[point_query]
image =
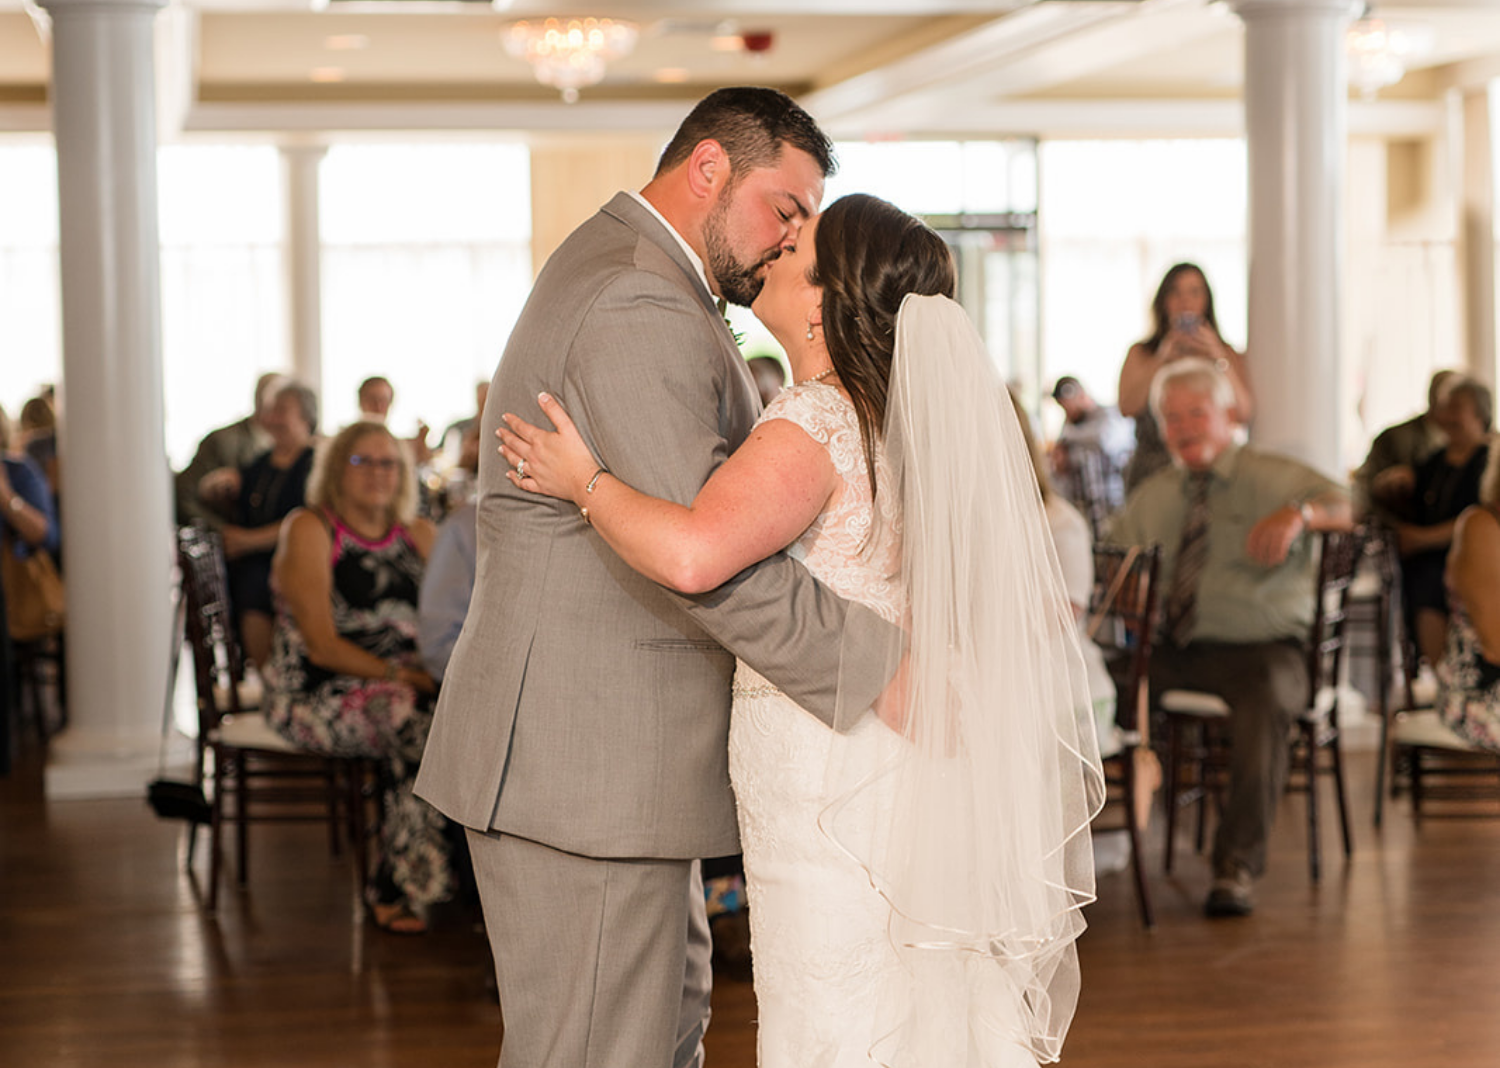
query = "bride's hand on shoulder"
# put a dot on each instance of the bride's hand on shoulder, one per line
(556, 463)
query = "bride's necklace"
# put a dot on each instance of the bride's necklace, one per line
(817, 377)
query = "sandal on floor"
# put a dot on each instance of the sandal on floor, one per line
(397, 917)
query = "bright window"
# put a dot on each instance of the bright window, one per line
(1106, 242)
(30, 308)
(224, 318)
(983, 196)
(426, 265)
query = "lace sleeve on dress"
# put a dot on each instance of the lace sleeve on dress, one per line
(816, 408)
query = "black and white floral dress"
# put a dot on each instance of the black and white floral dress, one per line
(375, 586)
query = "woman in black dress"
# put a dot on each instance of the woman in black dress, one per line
(270, 487)
(1446, 483)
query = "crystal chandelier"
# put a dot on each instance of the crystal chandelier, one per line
(569, 53)
(1378, 53)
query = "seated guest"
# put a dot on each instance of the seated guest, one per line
(448, 583)
(1074, 543)
(1469, 676)
(28, 521)
(270, 486)
(1444, 485)
(1383, 483)
(1075, 553)
(229, 447)
(1091, 452)
(1241, 574)
(376, 395)
(345, 678)
(28, 513)
(38, 438)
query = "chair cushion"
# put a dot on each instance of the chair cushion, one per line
(1426, 729)
(1193, 703)
(1424, 690)
(251, 690)
(249, 730)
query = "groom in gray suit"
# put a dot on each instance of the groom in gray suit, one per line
(581, 735)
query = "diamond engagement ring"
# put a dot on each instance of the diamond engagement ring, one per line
(520, 468)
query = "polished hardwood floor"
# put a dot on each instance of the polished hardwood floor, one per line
(107, 958)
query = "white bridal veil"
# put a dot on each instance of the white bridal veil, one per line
(984, 851)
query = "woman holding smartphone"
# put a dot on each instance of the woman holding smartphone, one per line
(1183, 324)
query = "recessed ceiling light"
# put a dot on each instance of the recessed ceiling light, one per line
(346, 42)
(671, 75)
(326, 74)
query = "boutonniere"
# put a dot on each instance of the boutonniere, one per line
(739, 337)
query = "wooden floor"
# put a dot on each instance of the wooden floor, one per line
(106, 957)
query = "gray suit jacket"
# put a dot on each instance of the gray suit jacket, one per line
(586, 707)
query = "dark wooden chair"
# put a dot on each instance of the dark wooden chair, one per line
(1438, 767)
(1197, 722)
(1375, 630)
(257, 776)
(42, 675)
(1122, 612)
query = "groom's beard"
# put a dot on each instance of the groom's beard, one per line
(739, 283)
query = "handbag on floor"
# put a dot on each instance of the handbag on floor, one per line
(173, 799)
(34, 601)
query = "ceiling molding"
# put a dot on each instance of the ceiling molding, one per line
(499, 117)
(1151, 119)
(1072, 119)
(963, 56)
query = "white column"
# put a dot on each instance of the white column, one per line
(304, 261)
(1477, 237)
(117, 521)
(1296, 102)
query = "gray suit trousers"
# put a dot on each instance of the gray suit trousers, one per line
(564, 930)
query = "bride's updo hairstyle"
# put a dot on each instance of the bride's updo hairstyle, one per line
(870, 255)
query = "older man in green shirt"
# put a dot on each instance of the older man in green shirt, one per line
(1240, 574)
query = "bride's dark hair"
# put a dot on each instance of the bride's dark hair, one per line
(870, 255)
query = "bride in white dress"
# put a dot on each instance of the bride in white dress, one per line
(916, 877)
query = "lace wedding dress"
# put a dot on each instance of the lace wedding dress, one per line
(820, 931)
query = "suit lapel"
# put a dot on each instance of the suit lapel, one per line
(742, 405)
(630, 212)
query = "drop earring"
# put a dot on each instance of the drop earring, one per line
(809, 327)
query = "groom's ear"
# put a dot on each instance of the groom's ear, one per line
(707, 169)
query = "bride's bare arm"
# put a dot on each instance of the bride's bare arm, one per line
(766, 494)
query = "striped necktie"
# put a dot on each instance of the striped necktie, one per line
(1192, 555)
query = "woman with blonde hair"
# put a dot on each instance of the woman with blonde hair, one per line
(346, 678)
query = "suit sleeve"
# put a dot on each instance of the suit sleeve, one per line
(208, 457)
(649, 394)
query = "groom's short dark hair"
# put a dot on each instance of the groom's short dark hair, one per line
(752, 125)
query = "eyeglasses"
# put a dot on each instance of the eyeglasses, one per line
(384, 465)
